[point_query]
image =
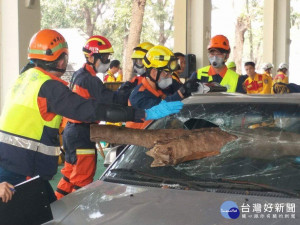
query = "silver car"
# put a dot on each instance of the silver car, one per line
(254, 180)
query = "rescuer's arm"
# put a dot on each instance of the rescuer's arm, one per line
(104, 95)
(60, 100)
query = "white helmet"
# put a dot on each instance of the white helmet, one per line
(283, 66)
(267, 66)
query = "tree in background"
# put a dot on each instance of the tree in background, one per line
(138, 8)
(254, 35)
(248, 34)
(112, 19)
(92, 10)
(81, 14)
(241, 26)
(162, 14)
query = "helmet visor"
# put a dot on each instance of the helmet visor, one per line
(104, 57)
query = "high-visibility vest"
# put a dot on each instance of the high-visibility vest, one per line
(229, 81)
(25, 132)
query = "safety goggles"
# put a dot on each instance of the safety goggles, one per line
(215, 52)
(164, 73)
(104, 57)
(172, 62)
(138, 62)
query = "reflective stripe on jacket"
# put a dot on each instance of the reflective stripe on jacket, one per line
(28, 135)
(230, 79)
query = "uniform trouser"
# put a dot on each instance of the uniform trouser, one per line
(80, 159)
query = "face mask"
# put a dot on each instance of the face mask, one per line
(216, 61)
(138, 70)
(102, 68)
(164, 82)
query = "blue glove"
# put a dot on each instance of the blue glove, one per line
(163, 109)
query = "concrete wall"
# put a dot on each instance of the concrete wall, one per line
(19, 19)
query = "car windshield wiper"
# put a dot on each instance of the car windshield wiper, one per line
(162, 180)
(203, 185)
(263, 186)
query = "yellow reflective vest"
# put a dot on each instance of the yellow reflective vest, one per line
(28, 143)
(230, 79)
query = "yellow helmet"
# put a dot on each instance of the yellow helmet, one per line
(230, 65)
(140, 51)
(160, 57)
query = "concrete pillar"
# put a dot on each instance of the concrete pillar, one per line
(192, 19)
(19, 21)
(198, 29)
(180, 24)
(276, 36)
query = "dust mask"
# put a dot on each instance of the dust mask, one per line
(103, 67)
(216, 61)
(164, 82)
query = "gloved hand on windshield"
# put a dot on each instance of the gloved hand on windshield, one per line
(188, 87)
(163, 109)
(210, 87)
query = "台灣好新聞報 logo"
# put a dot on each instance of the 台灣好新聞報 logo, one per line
(229, 210)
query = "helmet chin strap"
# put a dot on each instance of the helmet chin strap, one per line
(58, 70)
(157, 78)
(93, 64)
(50, 68)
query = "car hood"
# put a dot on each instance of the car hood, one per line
(115, 204)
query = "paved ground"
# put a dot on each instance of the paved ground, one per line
(99, 171)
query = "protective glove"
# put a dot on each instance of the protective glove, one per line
(210, 87)
(216, 87)
(188, 87)
(202, 89)
(127, 87)
(163, 109)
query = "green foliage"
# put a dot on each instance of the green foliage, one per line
(116, 26)
(61, 14)
(114, 20)
(156, 12)
(295, 17)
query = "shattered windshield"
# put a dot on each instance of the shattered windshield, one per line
(266, 150)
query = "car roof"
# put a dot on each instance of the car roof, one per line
(224, 97)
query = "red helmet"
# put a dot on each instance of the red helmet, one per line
(47, 45)
(97, 45)
(219, 41)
